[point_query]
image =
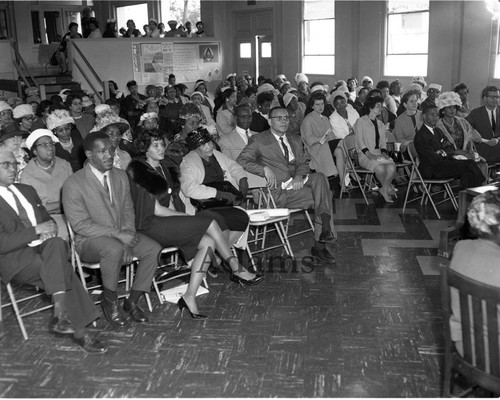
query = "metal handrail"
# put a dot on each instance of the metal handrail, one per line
(82, 71)
(89, 67)
(20, 62)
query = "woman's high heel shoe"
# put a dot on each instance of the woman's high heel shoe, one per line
(249, 282)
(182, 305)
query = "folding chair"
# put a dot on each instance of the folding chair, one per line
(16, 304)
(352, 167)
(479, 362)
(78, 264)
(404, 164)
(426, 185)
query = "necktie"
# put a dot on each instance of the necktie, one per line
(285, 149)
(493, 122)
(23, 215)
(106, 187)
(248, 135)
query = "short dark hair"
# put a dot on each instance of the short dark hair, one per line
(240, 107)
(42, 106)
(91, 138)
(112, 102)
(131, 83)
(272, 110)
(393, 86)
(488, 89)
(371, 102)
(316, 96)
(460, 86)
(144, 140)
(250, 90)
(428, 107)
(263, 97)
(382, 85)
(70, 98)
(407, 96)
(71, 25)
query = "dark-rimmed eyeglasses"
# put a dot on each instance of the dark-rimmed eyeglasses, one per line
(46, 145)
(282, 117)
(8, 164)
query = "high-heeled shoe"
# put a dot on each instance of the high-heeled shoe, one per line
(249, 282)
(182, 305)
(386, 196)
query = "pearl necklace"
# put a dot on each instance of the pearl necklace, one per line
(45, 168)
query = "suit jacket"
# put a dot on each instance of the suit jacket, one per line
(480, 119)
(264, 150)
(14, 236)
(77, 156)
(427, 145)
(89, 210)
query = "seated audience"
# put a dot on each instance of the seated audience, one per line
(395, 91)
(371, 147)
(343, 118)
(172, 105)
(110, 31)
(132, 104)
(5, 113)
(131, 30)
(477, 259)
(33, 255)
(281, 159)
(42, 112)
(296, 111)
(47, 173)
(260, 118)
(200, 30)
(436, 154)
(250, 98)
(206, 118)
(189, 120)
(225, 114)
(84, 122)
(485, 120)
(11, 139)
(160, 214)
(302, 82)
(463, 92)
(24, 115)
(409, 122)
(98, 205)
(62, 51)
(95, 32)
(208, 100)
(432, 94)
(458, 132)
(70, 145)
(361, 93)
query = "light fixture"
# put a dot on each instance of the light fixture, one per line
(493, 7)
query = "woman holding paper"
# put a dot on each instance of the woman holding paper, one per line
(316, 132)
(371, 147)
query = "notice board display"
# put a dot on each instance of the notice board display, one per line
(154, 62)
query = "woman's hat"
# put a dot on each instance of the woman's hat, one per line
(37, 134)
(22, 110)
(419, 80)
(64, 93)
(200, 82)
(86, 102)
(147, 116)
(107, 118)
(266, 87)
(4, 106)
(447, 99)
(9, 131)
(287, 98)
(199, 93)
(59, 118)
(301, 77)
(197, 138)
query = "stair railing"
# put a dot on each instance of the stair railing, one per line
(85, 69)
(22, 68)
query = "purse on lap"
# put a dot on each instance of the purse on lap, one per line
(223, 186)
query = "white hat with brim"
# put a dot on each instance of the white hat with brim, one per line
(59, 118)
(266, 87)
(197, 93)
(435, 86)
(338, 93)
(37, 134)
(147, 117)
(317, 88)
(287, 98)
(22, 110)
(4, 106)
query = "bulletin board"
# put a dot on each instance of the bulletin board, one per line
(188, 61)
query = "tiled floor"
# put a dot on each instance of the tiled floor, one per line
(369, 326)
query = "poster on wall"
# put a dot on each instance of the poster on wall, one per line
(152, 63)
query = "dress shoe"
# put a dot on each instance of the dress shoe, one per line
(248, 282)
(112, 312)
(326, 237)
(323, 255)
(182, 305)
(89, 344)
(135, 312)
(61, 326)
(213, 271)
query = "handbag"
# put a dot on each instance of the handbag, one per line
(53, 60)
(223, 186)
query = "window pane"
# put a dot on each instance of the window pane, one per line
(408, 33)
(3, 25)
(497, 67)
(266, 50)
(245, 50)
(319, 65)
(395, 6)
(319, 9)
(406, 65)
(319, 37)
(137, 12)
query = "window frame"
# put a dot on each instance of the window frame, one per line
(386, 42)
(303, 42)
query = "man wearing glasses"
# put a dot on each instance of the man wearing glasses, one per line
(33, 254)
(282, 161)
(486, 120)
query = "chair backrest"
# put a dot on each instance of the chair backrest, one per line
(389, 137)
(479, 317)
(350, 142)
(412, 152)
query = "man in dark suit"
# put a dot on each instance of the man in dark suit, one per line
(98, 205)
(486, 120)
(31, 253)
(281, 159)
(435, 154)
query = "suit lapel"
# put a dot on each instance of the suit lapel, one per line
(276, 146)
(101, 192)
(8, 209)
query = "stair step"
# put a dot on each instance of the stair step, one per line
(47, 80)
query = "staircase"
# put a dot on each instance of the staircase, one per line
(54, 83)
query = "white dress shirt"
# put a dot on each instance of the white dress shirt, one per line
(100, 176)
(291, 156)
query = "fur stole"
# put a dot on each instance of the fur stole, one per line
(154, 183)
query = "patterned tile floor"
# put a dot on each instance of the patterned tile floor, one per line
(369, 326)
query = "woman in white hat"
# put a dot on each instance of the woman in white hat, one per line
(206, 118)
(47, 173)
(208, 100)
(24, 116)
(70, 146)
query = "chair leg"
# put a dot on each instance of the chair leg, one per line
(284, 238)
(148, 301)
(16, 311)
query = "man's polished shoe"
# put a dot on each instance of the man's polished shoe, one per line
(323, 254)
(135, 312)
(61, 326)
(89, 344)
(112, 311)
(327, 237)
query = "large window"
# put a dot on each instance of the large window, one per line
(181, 11)
(136, 12)
(407, 38)
(318, 56)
